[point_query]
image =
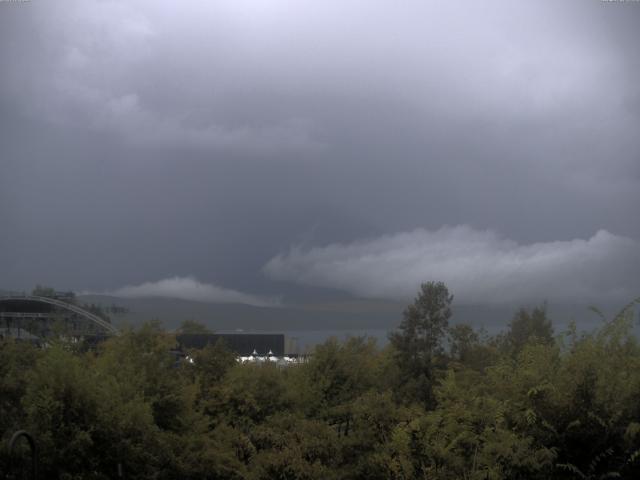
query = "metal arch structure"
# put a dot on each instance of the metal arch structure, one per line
(67, 306)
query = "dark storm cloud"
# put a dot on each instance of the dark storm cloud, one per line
(147, 140)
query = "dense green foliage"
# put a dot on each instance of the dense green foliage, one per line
(192, 326)
(523, 404)
(418, 343)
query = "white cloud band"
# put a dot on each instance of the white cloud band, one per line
(478, 266)
(188, 288)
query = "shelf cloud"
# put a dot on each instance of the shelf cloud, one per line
(479, 266)
(207, 137)
(189, 288)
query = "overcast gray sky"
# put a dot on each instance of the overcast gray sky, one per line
(257, 150)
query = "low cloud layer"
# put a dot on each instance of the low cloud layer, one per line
(188, 288)
(478, 266)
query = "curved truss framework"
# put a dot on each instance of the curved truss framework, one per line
(67, 306)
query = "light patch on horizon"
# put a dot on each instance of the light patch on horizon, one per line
(189, 288)
(479, 266)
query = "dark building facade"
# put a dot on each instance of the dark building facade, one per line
(243, 344)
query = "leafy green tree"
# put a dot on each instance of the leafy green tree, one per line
(528, 326)
(522, 406)
(61, 404)
(294, 447)
(369, 447)
(87, 420)
(597, 427)
(193, 326)
(339, 372)
(16, 360)
(462, 340)
(418, 343)
(209, 454)
(211, 365)
(471, 348)
(248, 395)
(213, 362)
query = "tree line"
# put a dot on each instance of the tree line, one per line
(440, 401)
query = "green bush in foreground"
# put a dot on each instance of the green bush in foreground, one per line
(521, 405)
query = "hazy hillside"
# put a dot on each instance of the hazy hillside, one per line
(354, 315)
